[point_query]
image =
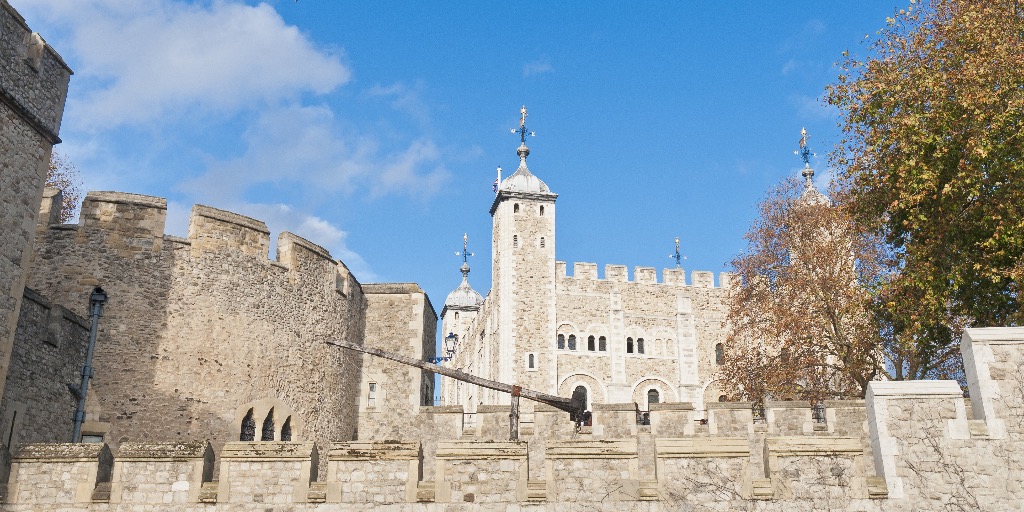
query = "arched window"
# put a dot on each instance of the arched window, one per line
(531, 361)
(572, 342)
(639, 345)
(561, 342)
(719, 354)
(582, 390)
(541, 210)
(286, 430)
(515, 208)
(629, 345)
(456, 315)
(653, 397)
(542, 242)
(602, 344)
(248, 428)
(268, 427)
(590, 343)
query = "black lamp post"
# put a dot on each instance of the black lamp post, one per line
(448, 349)
(96, 301)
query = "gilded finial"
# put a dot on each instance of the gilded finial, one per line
(805, 154)
(465, 254)
(677, 255)
(523, 151)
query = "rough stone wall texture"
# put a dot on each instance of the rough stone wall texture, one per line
(196, 330)
(33, 86)
(399, 319)
(49, 351)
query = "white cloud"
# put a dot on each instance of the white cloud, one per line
(136, 61)
(308, 147)
(404, 98)
(537, 67)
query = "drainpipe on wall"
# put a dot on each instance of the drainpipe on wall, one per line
(96, 301)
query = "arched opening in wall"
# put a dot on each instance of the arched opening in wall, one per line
(268, 427)
(531, 362)
(719, 354)
(515, 240)
(542, 242)
(629, 345)
(602, 344)
(639, 345)
(248, 432)
(590, 343)
(586, 396)
(286, 429)
(515, 208)
(653, 397)
(572, 342)
(456, 315)
(561, 342)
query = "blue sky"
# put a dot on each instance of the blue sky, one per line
(374, 128)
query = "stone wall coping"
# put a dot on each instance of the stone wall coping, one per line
(787, 404)
(729, 405)
(60, 452)
(488, 408)
(201, 210)
(915, 388)
(790, 446)
(374, 450)
(481, 450)
(287, 236)
(672, 406)
(685, 447)
(177, 240)
(21, 21)
(183, 451)
(260, 450)
(996, 335)
(107, 196)
(442, 409)
(846, 404)
(629, 406)
(599, 449)
(377, 288)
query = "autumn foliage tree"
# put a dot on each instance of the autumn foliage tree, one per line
(62, 174)
(800, 324)
(932, 160)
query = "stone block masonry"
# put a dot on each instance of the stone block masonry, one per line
(33, 87)
(924, 453)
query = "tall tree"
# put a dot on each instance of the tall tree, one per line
(800, 324)
(62, 174)
(931, 159)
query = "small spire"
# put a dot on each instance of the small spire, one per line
(522, 150)
(805, 154)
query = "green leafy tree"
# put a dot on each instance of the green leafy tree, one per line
(63, 175)
(932, 159)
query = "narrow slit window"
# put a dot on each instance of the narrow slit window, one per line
(590, 343)
(639, 345)
(542, 242)
(541, 210)
(572, 342)
(561, 342)
(248, 432)
(629, 345)
(515, 208)
(371, 397)
(268, 427)
(515, 240)
(719, 354)
(602, 344)
(286, 430)
(531, 361)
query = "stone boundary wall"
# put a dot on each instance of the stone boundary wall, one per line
(926, 453)
(645, 275)
(200, 330)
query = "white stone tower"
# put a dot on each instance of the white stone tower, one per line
(523, 281)
(461, 306)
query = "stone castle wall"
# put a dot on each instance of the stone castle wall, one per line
(198, 331)
(49, 351)
(910, 446)
(33, 86)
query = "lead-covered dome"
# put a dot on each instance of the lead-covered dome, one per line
(464, 296)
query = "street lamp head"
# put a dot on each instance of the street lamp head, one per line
(98, 296)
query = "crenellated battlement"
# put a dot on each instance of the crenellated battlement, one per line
(128, 223)
(644, 275)
(33, 77)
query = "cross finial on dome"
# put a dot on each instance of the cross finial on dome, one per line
(677, 255)
(465, 255)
